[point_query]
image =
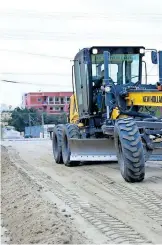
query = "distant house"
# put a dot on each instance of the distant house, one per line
(50, 102)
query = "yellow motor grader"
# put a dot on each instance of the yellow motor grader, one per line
(109, 116)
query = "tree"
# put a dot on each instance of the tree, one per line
(1, 131)
(21, 118)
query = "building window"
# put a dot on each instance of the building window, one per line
(62, 100)
(39, 99)
(45, 100)
(50, 100)
(40, 109)
(57, 108)
(62, 108)
(57, 100)
(68, 99)
(51, 108)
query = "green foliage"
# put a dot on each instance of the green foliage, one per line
(21, 118)
(1, 131)
(154, 111)
(159, 112)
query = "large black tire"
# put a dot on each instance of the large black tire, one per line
(57, 143)
(69, 131)
(130, 150)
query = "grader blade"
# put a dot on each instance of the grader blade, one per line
(92, 150)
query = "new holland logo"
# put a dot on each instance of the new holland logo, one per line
(154, 99)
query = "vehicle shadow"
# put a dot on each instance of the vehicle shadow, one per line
(110, 164)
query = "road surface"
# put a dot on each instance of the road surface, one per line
(87, 204)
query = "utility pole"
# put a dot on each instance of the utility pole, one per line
(43, 123)
(30, 123)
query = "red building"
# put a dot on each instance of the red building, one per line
(50, 102)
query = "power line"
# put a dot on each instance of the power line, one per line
(64, 34)
(65, 15)
(33, 74)
(37, 54)
(98, 34)
(45, 84)
(47, 74)
(35, 84)
(70, 38)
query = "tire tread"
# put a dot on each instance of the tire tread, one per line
(127, 132)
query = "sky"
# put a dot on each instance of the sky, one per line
(39, 38)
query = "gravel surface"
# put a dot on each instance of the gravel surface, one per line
(28, 217)
(45, 202)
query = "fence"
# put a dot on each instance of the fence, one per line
(33, 131)
(38, 131)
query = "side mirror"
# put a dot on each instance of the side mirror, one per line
(154, 57)
(160, 66)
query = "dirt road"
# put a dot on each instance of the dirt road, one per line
(87, 204)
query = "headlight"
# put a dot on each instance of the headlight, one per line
(94, 51)
(107, 89)
(142, 51)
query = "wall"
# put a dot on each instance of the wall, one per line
(34, 131)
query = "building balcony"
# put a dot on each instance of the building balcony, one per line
(57, 103)
(45, 102)
(50, 102)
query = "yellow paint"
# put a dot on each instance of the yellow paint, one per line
(145, 98)
(74, 116)
(73, 109)
(115, 113)
(123, 116)
(134, 98)
(80, 125)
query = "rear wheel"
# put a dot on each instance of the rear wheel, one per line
(57, 143)
(130, 150)
(69, 131)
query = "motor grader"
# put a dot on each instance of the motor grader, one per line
(109, 116)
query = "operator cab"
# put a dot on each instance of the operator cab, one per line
(125, 64)
(124, 67)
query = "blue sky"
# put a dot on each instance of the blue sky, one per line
(61, 28)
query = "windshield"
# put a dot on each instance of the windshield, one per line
(123, 68)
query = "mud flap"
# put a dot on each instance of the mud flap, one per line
(92, 150)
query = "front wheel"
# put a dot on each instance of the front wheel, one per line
(130, 150)
(69, 131)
